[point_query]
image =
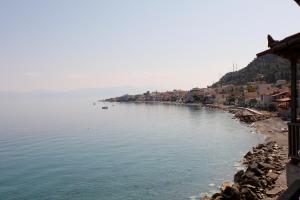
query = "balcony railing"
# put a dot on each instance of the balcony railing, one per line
(294, 140)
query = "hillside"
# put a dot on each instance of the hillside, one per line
(269, 68)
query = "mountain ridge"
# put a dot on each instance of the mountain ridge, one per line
(269, 68)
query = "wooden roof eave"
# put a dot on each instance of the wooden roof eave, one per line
(288, 48)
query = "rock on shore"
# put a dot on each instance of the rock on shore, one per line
(264, 164)
(248, 115)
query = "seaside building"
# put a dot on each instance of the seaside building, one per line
(221, 98)
(229, 94)
(283, 107)
(264, 88)
(195, 95)
(250, 98)
(209, 91)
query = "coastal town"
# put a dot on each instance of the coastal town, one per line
(257, 94)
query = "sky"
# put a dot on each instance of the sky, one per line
(166, 44)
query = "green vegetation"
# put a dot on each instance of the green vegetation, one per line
(269, 68)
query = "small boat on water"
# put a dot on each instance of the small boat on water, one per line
(104, 107)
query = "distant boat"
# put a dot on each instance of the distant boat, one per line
(104, 107)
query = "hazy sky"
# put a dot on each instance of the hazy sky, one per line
(62, 45)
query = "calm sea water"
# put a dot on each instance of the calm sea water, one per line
(59, 148)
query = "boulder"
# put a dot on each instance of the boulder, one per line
(238, 177)
(266, 165)
(216, 196)
(274, 192)
(247, 193)
(254, 168)
(231, 193)
(248, 154)
(272, 175)
(254, 180)
(206, 197)
(226, 184)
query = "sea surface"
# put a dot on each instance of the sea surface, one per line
(68, 148)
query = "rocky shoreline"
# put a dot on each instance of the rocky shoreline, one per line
(265, 164)
(264, 174)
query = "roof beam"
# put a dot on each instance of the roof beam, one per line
(288, 48)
